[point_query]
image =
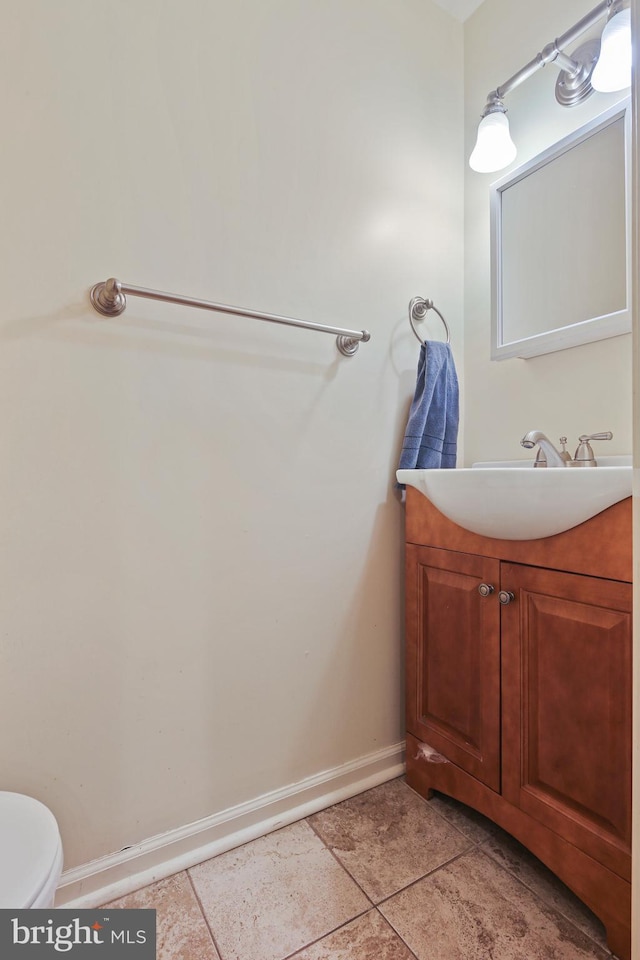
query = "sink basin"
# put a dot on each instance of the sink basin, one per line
(509, 500)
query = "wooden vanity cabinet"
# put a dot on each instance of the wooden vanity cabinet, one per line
(454, 670)
(523, 709)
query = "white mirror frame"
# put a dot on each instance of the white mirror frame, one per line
(590, 329)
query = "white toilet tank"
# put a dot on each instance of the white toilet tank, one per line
(30, 853)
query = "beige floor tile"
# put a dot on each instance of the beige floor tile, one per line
(388, 837)
(368, 938)
(514, 857)
(276, 895)
(472, 909)
(182, 932)
(468, 821)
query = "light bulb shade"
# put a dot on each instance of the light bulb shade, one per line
(613, 69)
(494, 147)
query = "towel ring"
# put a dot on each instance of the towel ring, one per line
(418, 310)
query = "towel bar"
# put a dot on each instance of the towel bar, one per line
(109, 299)
(418, 310)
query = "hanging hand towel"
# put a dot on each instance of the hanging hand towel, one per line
(432, 429)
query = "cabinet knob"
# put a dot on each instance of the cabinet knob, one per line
(485, 589)
(506, 596)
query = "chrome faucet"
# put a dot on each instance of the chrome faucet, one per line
(550, 456)
(553, 456)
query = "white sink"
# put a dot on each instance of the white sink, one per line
(509, 500)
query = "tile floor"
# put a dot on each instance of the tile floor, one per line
(382, 876)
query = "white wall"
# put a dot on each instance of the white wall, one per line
(580, 390)
(200, 545)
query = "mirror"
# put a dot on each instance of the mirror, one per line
(554, 285)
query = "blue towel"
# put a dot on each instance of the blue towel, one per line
(432, 429)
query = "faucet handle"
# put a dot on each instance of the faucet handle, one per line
(584, 454)
(607, 435)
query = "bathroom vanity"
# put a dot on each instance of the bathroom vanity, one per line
(519, 690)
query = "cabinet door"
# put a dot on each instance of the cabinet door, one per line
(453, 658)
(566, 699)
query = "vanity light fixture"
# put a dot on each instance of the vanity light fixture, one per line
(494, 147)
(613, 69)
(603, 65)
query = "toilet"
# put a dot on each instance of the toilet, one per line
(30, 853)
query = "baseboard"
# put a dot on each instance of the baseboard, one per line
(108, 878)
